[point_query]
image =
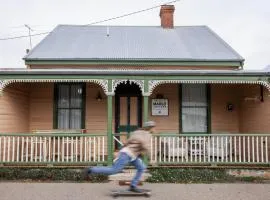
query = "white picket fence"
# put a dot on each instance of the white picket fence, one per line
(53, 148)
(218, 148)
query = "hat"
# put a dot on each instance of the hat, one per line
(149, 124)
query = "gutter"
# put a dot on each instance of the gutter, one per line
(136, 72)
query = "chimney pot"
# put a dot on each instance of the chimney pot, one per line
(166, 16)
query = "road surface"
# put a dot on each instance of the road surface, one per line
(94, 191)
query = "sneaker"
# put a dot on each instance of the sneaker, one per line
(135, 189)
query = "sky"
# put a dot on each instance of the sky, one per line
(243, 24)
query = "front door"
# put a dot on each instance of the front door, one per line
(128, 111)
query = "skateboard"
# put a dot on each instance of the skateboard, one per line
(116, 193)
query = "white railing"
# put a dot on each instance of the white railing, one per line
(212, 148)
(165, 149)
(50, 148)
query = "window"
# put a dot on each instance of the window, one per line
(69, 106)
(194, 108)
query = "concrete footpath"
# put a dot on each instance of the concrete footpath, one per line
(91, 191)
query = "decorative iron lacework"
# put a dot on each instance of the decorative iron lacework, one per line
(154, 83)
(117, 82)
(102, 82)
(140, 83)
(1, 83)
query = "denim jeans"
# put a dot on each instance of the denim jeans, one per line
(119, 164)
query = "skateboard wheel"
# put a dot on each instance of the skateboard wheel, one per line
(114, 195)
(147, 195)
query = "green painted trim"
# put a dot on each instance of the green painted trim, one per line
(145, 119)
(151, 164)
(156, 135)
(209, 162)
(83, 105)
(110, 85)
(134, 77)
(209, 106)
(52, 135)
(55, 105)
(134, 62)
(209, 135)
(145, 108)
(51, 162)
(123, 128)
(109, 129)
(180, 107)
(146, 86)
(208, 117)
(55, 95)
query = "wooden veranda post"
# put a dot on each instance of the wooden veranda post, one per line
(109, 125)
(146, 109)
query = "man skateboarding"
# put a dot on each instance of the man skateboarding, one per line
(138, 144)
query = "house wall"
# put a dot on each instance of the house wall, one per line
(168, 123)
(14, 107)
(27, 107)
(41, 106)
(96, 111)
(254, 115)
(130, 67)
(224, 121)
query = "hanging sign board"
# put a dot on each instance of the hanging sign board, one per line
(160, 107)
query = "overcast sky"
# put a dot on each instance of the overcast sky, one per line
(243, 24)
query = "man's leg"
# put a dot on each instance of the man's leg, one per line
(140, 166)
(118, 165)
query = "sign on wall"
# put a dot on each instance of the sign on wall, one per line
(160, 107)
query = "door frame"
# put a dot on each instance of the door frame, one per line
(117, 126)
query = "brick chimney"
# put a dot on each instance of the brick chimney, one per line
(166, 16)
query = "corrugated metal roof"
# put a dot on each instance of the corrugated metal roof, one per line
(267, 68)
(183, 43)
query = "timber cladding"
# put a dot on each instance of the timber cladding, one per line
(249, 114)
(14, 106)
(255, 114)
(223, 120)
(41, 106)
(96, 110)
(26, 107)
(168, 123)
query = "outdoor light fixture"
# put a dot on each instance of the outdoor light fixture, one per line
(257, 98)
(159, 96)
(99, 97)
(230, 107)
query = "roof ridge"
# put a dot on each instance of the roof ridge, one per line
(81, 25)
(224, 43)
(40, 43)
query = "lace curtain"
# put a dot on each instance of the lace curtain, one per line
(194, 108)
(69, 106)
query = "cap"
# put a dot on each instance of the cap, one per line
(149, 124)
